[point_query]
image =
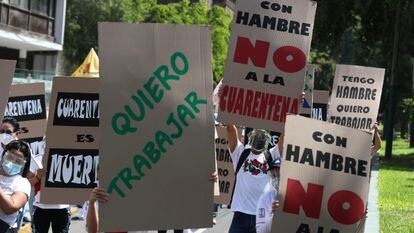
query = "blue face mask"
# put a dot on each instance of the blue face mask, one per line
(11, 168)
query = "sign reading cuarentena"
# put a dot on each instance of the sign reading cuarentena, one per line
(356, 96)
(77, 109)
(72, 148)
(25, 108)
(27, 105)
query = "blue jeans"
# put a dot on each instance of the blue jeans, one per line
(243, 223)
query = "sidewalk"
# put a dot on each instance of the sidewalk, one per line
(372, 222)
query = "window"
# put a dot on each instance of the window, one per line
(39, 6)
(24, 4)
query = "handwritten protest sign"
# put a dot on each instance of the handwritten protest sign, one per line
(324, 178)
(27, 105)
(224, 166)
(72, 141)
(6, 77)
(306, 108)
(266, 62)
(320, 105)
(157, 126)
(356, 96)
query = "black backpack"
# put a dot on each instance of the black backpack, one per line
(242, 159)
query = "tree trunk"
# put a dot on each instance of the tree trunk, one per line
(412, 134)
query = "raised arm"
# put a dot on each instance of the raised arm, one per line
(232, 137)
(92, 219)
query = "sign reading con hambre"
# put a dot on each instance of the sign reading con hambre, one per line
(356, 96)
(27, 104)
(266, 62)
(156, 125)
(72, 155)
(224, 167)
(324, 179)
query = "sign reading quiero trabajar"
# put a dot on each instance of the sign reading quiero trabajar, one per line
(72, 141)
(157, 147)
(266, 62)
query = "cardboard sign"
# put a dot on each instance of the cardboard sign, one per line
(224, 167)
(324, 178)
(320, 105)
(72, 141)
(266, 62)
(6, 77)
(306, 107)
(27, 105)
(157, 126)
(356, 96)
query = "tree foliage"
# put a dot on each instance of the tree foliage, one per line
(83, 16)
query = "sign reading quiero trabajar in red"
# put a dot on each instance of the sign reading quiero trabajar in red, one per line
(266, 62)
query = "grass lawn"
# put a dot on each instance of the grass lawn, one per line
(396, 189)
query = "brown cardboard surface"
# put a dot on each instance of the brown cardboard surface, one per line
(225, 167)
(260, 89)
(168, 186)
(336, 190)
(27, 104)
(6, 77)
(320, 105)
(357, 109)
(71, 141)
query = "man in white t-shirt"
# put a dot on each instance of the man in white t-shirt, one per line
(252, 180)
(267, 202)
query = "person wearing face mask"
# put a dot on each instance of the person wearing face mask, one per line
(268, 203)
(14, 187)
(251, 165)
(9, 130)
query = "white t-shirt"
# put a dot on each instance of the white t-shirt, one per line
(264, 212)
(252, 179)
(11, 184)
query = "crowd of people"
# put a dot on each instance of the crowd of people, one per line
(253, 202)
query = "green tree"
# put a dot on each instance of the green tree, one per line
(81, 28)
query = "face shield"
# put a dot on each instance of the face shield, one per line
(259, 140)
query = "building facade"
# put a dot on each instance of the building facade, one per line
(32, 32)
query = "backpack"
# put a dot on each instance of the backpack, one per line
(242, 159)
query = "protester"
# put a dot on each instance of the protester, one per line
(267, 202)
(14, 187)
(252, 181)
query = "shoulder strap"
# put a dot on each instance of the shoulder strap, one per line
(242, 158)
(268, 156)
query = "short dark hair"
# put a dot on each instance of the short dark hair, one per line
(14, 122)
(23, 147)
